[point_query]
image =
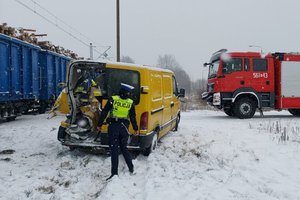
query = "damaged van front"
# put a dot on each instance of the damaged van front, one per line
(88, 88)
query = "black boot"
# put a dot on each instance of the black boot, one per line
(131, 170)
(111, 177)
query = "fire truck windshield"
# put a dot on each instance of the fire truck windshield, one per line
(213, 69)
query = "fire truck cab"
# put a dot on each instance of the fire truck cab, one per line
(241, 82)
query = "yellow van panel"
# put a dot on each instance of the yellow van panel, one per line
(157, 102)
(61, 104)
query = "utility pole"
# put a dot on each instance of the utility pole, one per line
(91, 51)
(118, 29)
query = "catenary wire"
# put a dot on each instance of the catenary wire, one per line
(58, 26)
(66, 24)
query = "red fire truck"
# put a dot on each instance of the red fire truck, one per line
(241, 82)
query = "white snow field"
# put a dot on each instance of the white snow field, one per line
(212, 156)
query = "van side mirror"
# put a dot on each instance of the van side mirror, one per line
(144, 89)
(181, 93)
(207, 64)
(225, 70)
(61, 85)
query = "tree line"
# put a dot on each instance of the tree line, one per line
(168, 61)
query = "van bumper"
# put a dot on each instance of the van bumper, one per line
(146, 140)
(140, 142)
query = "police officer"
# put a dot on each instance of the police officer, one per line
(119, 108)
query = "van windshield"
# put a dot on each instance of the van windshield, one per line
(113, 79)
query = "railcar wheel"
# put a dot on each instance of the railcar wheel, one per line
(9, 119)
(42, 109)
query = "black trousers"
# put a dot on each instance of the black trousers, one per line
(118, 136)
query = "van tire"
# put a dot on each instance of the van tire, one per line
(153, 145)
(244, 108)
(61, 134)
(177, 123)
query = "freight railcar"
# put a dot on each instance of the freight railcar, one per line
(29, 76)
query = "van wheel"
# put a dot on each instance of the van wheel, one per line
(177, 123)
(61, 134)
(295, 112)
(153, 145)
(244, 108)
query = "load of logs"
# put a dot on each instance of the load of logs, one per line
(29, 36)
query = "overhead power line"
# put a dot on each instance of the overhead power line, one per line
(66, 24)
(60, 27)
(51, 22)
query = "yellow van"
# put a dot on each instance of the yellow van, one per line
(155, 95)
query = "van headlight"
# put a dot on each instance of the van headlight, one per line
(217, 99)
(83, 122)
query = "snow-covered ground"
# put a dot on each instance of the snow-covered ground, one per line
(211, 157)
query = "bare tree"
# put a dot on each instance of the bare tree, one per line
(168, 61)
(127, 59)
(198, 86)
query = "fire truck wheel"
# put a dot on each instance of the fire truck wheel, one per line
(244, 108)
(295, 112)
(229, 112)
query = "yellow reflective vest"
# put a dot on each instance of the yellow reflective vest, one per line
(121, 107)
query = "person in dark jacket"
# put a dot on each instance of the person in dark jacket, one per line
(119, 107)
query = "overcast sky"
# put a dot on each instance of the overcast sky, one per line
(191, 30)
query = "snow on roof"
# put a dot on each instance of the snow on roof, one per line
(125, 64)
